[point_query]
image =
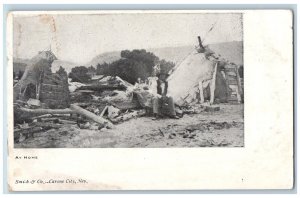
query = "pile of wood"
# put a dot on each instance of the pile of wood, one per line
(96, 107)
(74, 109)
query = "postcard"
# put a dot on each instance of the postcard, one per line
(150, 100)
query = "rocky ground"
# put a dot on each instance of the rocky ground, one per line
(223, 128)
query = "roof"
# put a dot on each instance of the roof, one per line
(188, 74)
(198, 67)
(46, 55)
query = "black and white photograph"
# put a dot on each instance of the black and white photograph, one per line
(99, 99)
(128, 80)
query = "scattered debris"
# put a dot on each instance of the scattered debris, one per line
(161, 132)
(98, 106)
(196, 131)
(34, 102)
(73, 86)
(211, 108)
(208, 126)
(114, 80)
(172, 135)
(188, 109)
(91, 116)
(103, 111)
(26, 131)
(112, 112)
(128, 115)
(85, 126)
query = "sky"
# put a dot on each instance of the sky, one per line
(79, 38)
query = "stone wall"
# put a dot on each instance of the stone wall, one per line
(54, 91)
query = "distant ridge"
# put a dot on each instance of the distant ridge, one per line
(231, 51)
(107, 57)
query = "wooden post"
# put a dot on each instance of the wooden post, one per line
(38, 86)
(213, 85)
(201, 92)
(200, 43)
(239, 91)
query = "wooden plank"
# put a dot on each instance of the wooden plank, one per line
(239, 92)
(103, 111)
(213, 85)
(201, 92)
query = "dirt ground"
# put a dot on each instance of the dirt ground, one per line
(224, 128)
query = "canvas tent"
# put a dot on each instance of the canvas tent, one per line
(205, 76)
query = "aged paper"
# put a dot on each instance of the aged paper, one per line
(209, 123)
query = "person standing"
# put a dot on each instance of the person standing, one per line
(163, 104)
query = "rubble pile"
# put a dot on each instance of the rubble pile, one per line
(46, 101)
(202, 133)
(90, 106)
(96, 106)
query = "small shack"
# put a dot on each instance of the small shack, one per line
(38, 82)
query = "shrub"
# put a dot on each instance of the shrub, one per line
(79, 74)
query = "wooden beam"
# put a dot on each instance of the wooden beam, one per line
(46, 111)
(213, 85)
(103, 111)
(200, 43)
(239, 92)
(91, 116)
(201, 92)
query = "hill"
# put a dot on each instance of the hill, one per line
(231, 51)
(173, 54)
(107, 57)
(20, 64)
(65, 64)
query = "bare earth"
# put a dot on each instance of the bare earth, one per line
(224, 128)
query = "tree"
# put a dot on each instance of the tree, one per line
(61, 71)
(133, 65)
(92, 69)
(63, 74)
(98, 69)
(125, 54)
(166, 66)
(79, 74)
(102, 69)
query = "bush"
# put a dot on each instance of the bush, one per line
(130, 70)
(133, 65)
(79, 74)
(102, 69)
(166, 66)
(61, 71)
